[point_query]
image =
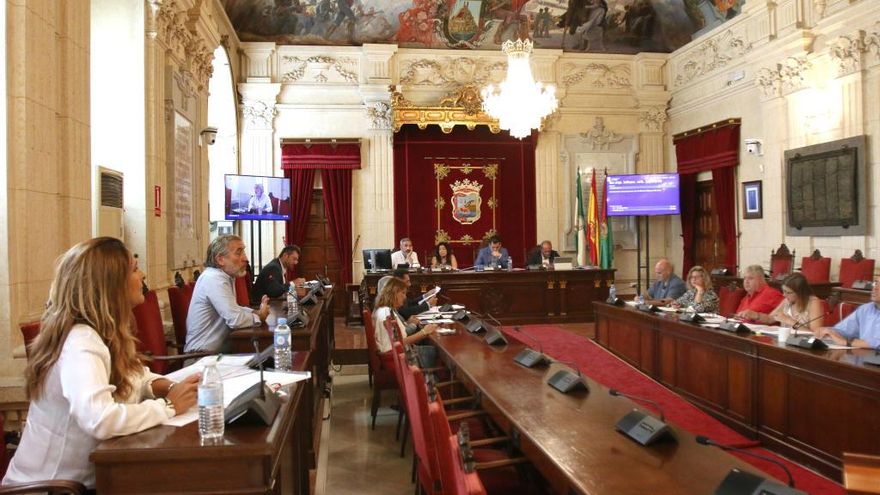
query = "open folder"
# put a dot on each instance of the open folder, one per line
(237, 378)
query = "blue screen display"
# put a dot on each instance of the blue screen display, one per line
(639, 195)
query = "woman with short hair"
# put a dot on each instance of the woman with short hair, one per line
(83, 377)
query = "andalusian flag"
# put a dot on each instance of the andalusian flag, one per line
(594, 223)
(606, 241)
(580, 223)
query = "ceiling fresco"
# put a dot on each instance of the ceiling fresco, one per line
(600, 26)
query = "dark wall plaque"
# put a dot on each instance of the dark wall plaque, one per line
(825, 189)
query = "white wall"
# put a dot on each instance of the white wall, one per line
(222, 114)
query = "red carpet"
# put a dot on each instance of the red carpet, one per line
(605, 368)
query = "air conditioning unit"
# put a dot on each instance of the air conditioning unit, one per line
(109, 215)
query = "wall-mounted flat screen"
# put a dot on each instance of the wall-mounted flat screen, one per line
(251, 197)
(643, 194)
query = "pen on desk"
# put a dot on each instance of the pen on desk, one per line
(219, 357)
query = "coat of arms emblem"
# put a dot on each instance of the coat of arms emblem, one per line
(466, 201)
(465, 24)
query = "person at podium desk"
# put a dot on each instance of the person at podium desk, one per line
(862, 327)
(84, 378)
(668, 287)
(493, 255)
(699, 295)
(799, 307)
(443, 257)
(760, 297)
(406, 255)
(259, 203)
(544, 256)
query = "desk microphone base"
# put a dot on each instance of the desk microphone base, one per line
(742, 483)
(530, 358)
(643, 428)
(807, 342)
(567, 381)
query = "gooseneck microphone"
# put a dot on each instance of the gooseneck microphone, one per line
(618, 393)
(528, 357)
(798, 324)
(520, 331)
(493, 335)
(703, 440)
(255, 342)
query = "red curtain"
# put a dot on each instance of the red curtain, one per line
(688, 200)
(724, 181)
(714, 148)
(416, 188)
(320, 156)
(302, 181)
(337, 207)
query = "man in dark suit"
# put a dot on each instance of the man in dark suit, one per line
(273, 280)
(411, 306)
(543, 256)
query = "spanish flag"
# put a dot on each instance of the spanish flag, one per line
(593, 220)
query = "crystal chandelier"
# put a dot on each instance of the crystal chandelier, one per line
(519, 103)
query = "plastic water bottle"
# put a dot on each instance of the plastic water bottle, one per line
(612, 293)
(211, 425)
(292, 303)
(283, 361)
(641, 298)
(509, 264)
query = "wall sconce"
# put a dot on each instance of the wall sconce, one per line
(209, 135)
(753, 147)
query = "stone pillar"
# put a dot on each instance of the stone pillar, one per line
(551, 210)
(258, 154)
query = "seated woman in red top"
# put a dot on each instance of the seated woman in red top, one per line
(760, 298)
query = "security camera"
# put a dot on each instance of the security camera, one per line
(753, 147)
(209, 135)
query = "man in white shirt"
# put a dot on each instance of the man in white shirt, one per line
(406, 255)
(259, 202)
(213, 311)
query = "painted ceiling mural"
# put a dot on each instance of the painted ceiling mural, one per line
(612, 26)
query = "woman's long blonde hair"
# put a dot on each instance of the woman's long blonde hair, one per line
(389, 292)
(90, 287)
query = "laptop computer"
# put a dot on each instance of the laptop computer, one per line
(563, 263)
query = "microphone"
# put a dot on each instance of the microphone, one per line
(565, 381)
(810, 341)
(737, 478)
(641, 427)
(618, 393)
(256, 343)
(529, 357)
(493, 335)
(798, 324)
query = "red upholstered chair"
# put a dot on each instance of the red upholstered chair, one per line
(179, 299)
(242, 292)
(284, 207)
(275, 203)
(29, 331)
(150, 332)
(781, 262)
(816, 269)
(854, 268)
(730, 297)
(383, 373)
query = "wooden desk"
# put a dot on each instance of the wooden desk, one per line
(571, 439)
(852, 296)
(517, 297)
(317, 339)
(252, 459)
(808, 405)
(821, 290)
(861, 474)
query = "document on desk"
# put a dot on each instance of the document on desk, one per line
(236, 379)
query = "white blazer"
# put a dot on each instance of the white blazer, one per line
(76, 410)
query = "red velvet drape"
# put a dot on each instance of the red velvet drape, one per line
(302, 181)
(717, 149)
(688, 200)
(337, 207)
(416, 188)
(724, 181)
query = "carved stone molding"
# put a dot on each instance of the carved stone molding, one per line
(380, 114)
(448, 71)
(819, 6)
(258, 114)
(872, 45)
(712, 54)
(596, 75)
(600, 137)
(786, 77)
(654, 118)
(320, 68)
(167, 23)
(846, 52)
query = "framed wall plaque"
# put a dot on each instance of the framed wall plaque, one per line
(753, 201)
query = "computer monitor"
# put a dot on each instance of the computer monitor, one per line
(377, 259)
